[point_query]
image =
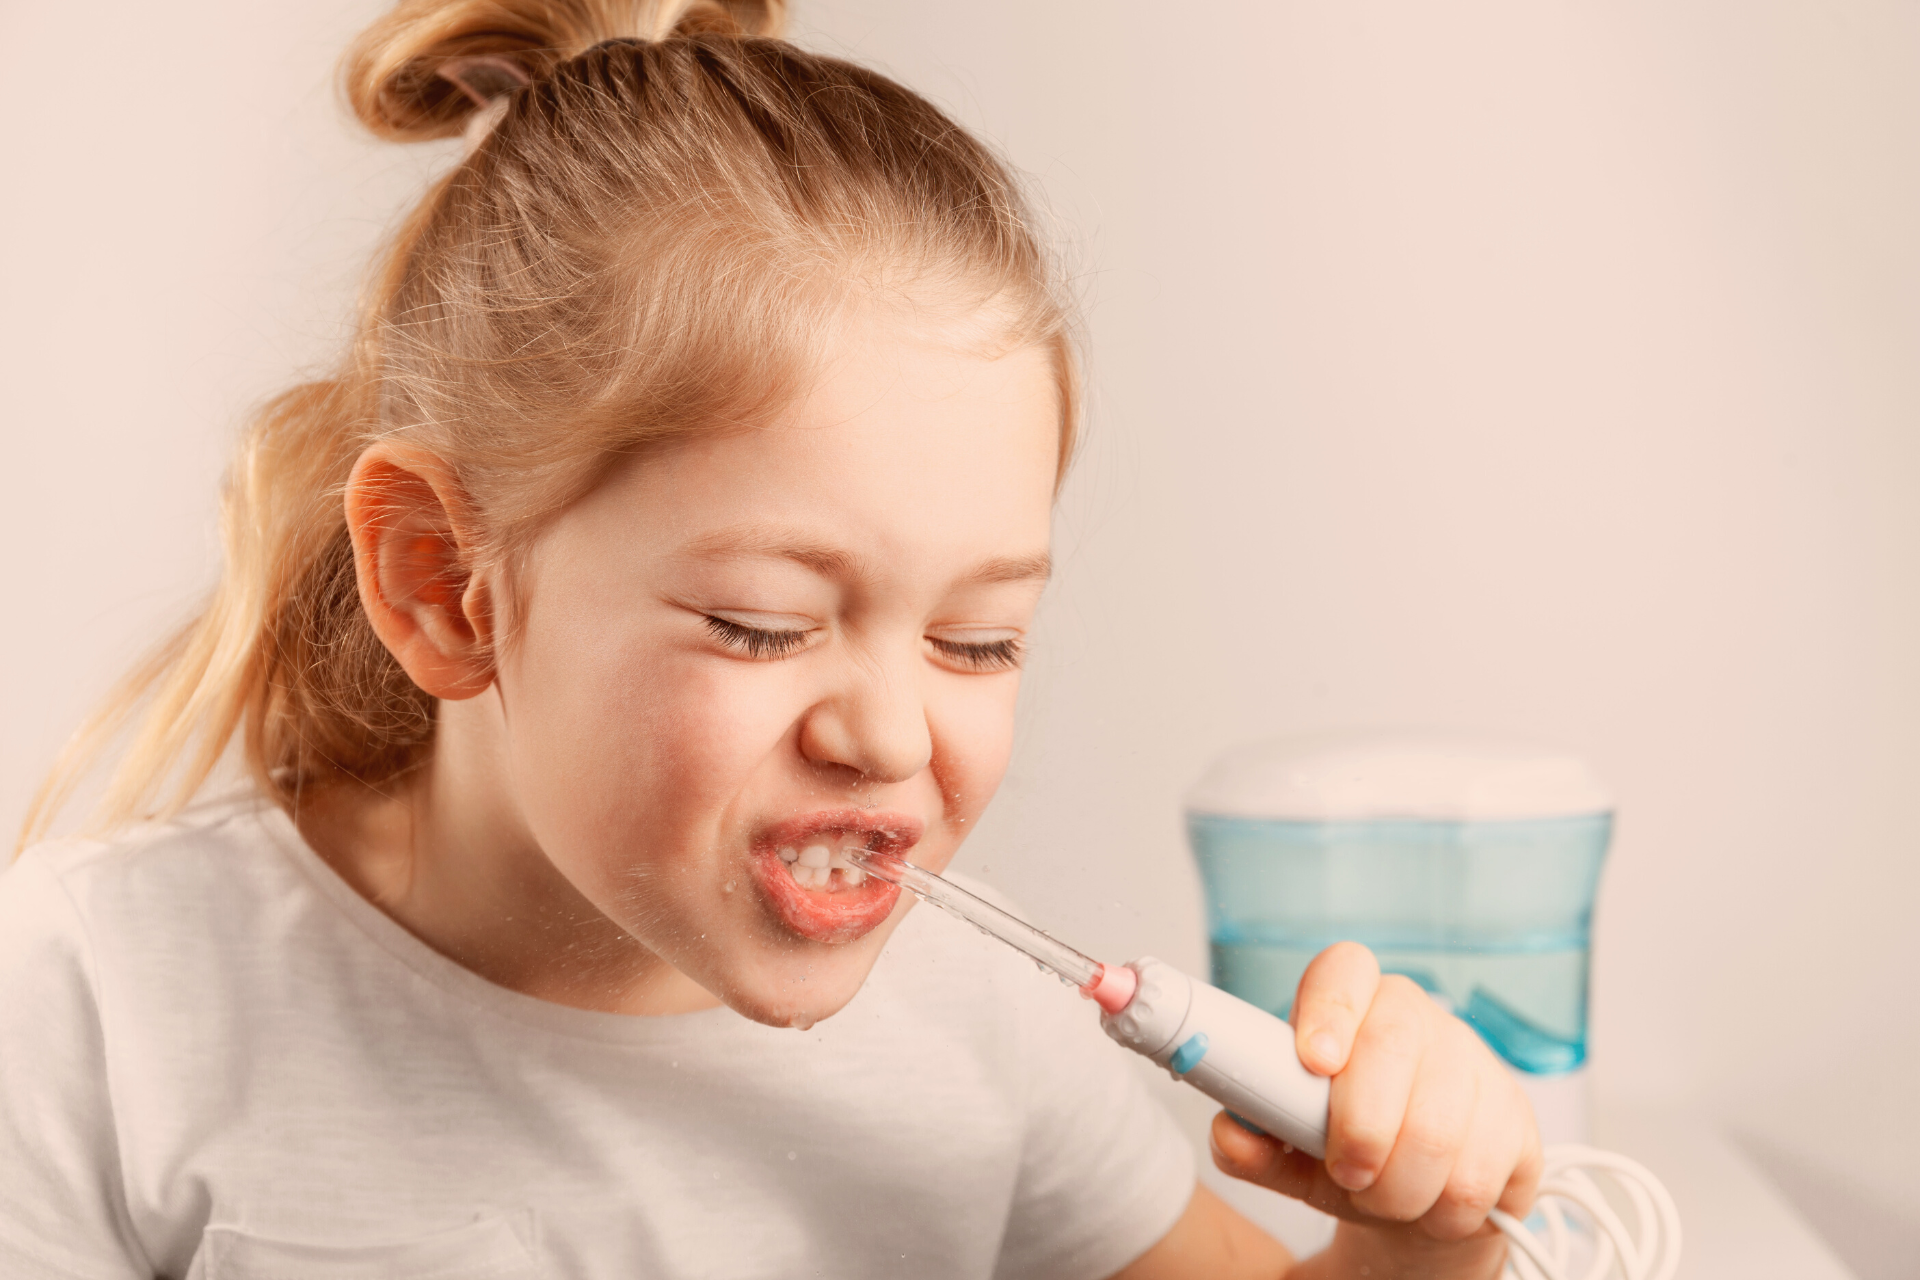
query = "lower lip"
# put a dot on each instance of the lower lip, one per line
(840, 915)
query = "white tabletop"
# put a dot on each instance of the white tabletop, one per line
(1736, 1224)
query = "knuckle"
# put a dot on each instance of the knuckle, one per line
(1395, 1204)
(1392, 1029)
(1448, 1225)
(1409, 1002)
(1363, 1142)
(1460, 1209)
(1465, 1040)
(1462, 1049)
(1470, 1193)
(1427, 1140)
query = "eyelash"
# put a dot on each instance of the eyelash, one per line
(754, 642)
(989, 655)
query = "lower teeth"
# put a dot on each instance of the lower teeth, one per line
(822, 877)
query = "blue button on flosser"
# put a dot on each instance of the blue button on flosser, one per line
(1188, 1055)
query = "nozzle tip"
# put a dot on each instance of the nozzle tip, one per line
(1113, 989)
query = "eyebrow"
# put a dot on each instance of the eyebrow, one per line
(1033, 568)
(833, 562)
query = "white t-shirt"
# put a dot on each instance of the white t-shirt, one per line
(217, 1061)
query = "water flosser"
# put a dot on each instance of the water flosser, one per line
(1239, 1055)
(1243, 1057)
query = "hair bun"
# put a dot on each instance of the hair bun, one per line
(392, 73)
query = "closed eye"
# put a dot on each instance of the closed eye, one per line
(757, 642)
(981, 655)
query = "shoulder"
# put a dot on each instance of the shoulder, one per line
(44, 955)
(111, 952)
(154, 905)
(206, 861)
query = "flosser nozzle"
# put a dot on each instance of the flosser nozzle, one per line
(1100, 982)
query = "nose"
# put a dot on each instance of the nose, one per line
(874, 722)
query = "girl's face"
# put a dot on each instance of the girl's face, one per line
(745, 653)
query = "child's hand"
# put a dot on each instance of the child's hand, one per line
(1428, 1131)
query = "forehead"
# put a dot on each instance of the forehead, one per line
(908, 449)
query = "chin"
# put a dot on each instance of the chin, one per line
(795, 982)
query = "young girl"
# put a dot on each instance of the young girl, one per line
(675, 523)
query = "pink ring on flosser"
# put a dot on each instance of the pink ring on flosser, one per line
(1113, 989)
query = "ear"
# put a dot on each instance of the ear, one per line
(410, 524)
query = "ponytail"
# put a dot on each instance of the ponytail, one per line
(282, 648)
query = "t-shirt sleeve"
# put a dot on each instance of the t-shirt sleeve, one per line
(1104, 1172)
(61, 1210)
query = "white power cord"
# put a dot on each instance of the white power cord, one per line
(1580, 1218)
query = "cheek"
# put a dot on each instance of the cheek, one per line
(973, 737)
(626, 753)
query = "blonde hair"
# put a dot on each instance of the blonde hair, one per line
(652, 241)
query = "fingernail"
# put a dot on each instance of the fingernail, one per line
(1324, 1047)
(1350, 1176)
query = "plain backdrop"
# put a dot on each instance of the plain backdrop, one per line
(1542, 369)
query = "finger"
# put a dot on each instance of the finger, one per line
(1332, 1000)
(1494, 1147)
(1257, 1158)
(1523, 1184)
(1369, 1098)
(1435, 1129)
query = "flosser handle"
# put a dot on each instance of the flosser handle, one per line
(1239, 1055)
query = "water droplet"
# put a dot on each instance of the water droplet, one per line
(793, 1155)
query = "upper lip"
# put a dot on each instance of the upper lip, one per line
(880, 830)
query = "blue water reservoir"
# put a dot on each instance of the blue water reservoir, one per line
(1470, 868)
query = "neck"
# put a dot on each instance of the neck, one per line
(446, 852)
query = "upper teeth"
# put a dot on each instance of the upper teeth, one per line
(813, 866)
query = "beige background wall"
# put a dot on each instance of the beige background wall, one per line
(1540, 369)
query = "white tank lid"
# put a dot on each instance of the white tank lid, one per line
(1432, 776)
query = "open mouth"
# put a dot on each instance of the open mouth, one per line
(802, 871)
